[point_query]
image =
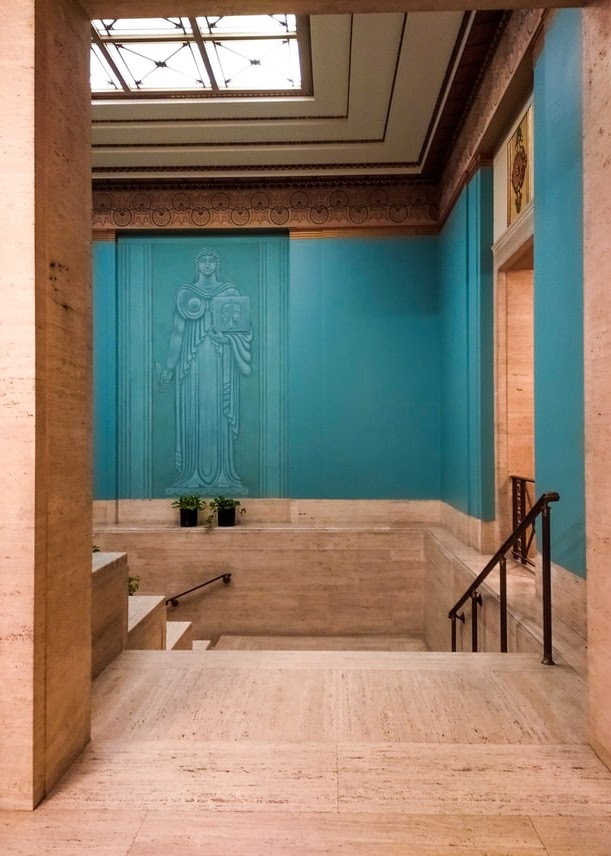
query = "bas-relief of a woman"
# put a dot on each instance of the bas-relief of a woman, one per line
(209, 349)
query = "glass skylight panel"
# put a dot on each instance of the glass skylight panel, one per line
(142, 27)
(261, 64)
(102, 76)
(174, 57)
(158, 65)
(253, 24)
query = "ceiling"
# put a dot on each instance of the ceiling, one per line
(390, 92)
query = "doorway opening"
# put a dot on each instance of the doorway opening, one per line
(515, 379)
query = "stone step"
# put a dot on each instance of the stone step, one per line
(316, 698)
(146, 624)
(320, 643)
(201, 644)
(179, 636)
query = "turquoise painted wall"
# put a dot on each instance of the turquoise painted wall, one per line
(105, 476)
(371, 362)
(343, 399)
(467, 377)
(364, 368)
(136, 420)
(559, 389)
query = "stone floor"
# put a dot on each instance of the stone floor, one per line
(367, 753)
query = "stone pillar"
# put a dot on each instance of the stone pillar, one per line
(45, 397)
(597, 357)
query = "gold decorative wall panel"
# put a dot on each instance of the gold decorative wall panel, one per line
(519, 160)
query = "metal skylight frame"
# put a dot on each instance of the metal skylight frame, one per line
(205, 57)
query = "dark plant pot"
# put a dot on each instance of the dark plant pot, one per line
(188, 516)
(226, 516)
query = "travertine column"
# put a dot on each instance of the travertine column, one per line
(597, 316)
(45, 397)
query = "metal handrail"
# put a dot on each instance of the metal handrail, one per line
(541, 507)
(173, 601)
(521, 503)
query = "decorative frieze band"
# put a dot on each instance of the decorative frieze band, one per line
(291, 206)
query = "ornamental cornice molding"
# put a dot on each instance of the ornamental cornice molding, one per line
(517, 41)
(296, 205)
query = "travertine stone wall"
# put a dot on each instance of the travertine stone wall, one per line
(298, 566)
(109, 587)
(597, 312)
(520, 374)
(45, 571)
(285, 580)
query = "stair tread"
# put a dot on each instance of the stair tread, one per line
(320, 643)
(177, 631)
(417, 661)
(140, 606)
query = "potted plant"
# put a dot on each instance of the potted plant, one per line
(188, 507)
(225, 509)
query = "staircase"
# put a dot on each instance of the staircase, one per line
(310, 752)
(312, 745)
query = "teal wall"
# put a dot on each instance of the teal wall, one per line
(364, 368)
(371, 362)
(136, 283)
(343, 398)
(105, 476)
(467, 378)
(559, 390)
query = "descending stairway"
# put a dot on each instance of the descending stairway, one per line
(255, 747)
(364, 752)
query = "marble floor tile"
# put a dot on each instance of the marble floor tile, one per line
(264, 834)
(494, 780)
(68, 832)
(463, 706)
(226, 704)
(201, 775)
(575, 836)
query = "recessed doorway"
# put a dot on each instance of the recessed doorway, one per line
(515, 377)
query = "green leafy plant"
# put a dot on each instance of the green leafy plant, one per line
(133, 584)
(225, 502)
(96, 549)
(192, 502)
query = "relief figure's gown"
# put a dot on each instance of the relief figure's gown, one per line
(214, 350)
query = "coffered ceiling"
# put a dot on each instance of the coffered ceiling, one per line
(390, 91)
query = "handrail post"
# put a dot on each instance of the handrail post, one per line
(476, 600)
(456, 617)
(503, 602)
(522, 541)
(546, 585)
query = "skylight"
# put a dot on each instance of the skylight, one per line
(218, 56)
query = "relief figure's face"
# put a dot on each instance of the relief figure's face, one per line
(207, 265)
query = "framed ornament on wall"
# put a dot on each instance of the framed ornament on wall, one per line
(519, 168)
